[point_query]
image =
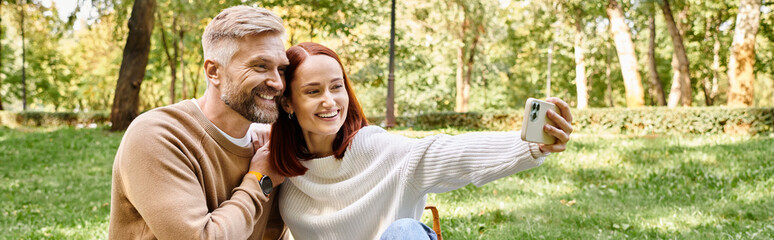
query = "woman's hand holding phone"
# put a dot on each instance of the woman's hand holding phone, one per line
(556, 124)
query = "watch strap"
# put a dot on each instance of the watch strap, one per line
(257, 175)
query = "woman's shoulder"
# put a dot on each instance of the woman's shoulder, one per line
(370, 130)
(375, 136)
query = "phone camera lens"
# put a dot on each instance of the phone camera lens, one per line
(533, 116)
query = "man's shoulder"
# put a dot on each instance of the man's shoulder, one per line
(169, 123)
(160, 131)
(163, 117)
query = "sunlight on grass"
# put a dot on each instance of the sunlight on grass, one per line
(677, 220)
(755, 193)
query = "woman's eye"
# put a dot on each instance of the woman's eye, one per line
(337, 86)
(312, 92)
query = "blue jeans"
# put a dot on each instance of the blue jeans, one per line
(407, 228)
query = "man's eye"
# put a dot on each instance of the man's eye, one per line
(260, 67)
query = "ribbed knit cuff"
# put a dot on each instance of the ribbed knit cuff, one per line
(534, 148)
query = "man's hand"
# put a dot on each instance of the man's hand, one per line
(563, 129)
(260, 134)
(260, 163)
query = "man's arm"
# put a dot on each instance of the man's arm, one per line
(162, 182)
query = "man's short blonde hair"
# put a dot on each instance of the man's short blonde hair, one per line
(219, 38)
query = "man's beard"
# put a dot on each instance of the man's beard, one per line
(245, 104)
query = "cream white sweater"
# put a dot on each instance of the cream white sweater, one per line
(384, 177)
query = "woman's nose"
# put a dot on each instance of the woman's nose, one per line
(328, 100)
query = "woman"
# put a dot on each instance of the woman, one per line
(348, 180)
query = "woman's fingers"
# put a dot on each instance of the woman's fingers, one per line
(560, 121)
(561, 136)
(564, 108)
(552, 148)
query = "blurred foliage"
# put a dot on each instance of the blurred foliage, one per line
(638, 121)
(73, 62)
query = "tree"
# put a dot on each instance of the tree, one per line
(471, 29)
(390, 114)
(710, 81)
(681, 82)
(741, 75)
(132, 71)
(172, 61)
(1, 52)
(626, 55)
(580, 61)
(656, 89)
(24, 57)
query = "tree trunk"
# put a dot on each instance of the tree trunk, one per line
(741, 75)
(461, 103)
(608, 72)
(580, 62)
(656, 89)
(135, 59)
(24, 59)
(710, 86)
(389, 119)
(1, 54)
(171, 61)
(715, 66)
(681, 81)
(469, 71)
(626, 55)
(180, 47)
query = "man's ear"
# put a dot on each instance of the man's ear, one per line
(212, 71)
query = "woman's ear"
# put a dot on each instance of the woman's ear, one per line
(285, 103)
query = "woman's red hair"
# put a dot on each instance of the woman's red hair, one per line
(287, 147)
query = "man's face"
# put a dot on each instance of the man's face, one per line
(255, 76)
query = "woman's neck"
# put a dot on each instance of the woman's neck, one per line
(321, 146)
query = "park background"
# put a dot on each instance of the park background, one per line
(674, 104)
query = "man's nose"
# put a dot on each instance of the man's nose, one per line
(275, 81)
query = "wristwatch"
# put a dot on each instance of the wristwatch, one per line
(264, 182)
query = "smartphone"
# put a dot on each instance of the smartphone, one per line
(534, 120)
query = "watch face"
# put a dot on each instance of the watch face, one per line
(266, 185)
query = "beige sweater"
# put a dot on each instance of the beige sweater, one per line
(176, 177)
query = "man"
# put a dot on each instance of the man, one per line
(189, 170)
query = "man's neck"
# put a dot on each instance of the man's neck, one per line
(225, 118)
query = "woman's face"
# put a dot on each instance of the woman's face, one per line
(318, 97)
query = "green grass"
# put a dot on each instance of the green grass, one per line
(691, 187)
(55, 183)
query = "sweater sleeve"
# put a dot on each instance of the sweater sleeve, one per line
(443, 163)
(160, 181)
